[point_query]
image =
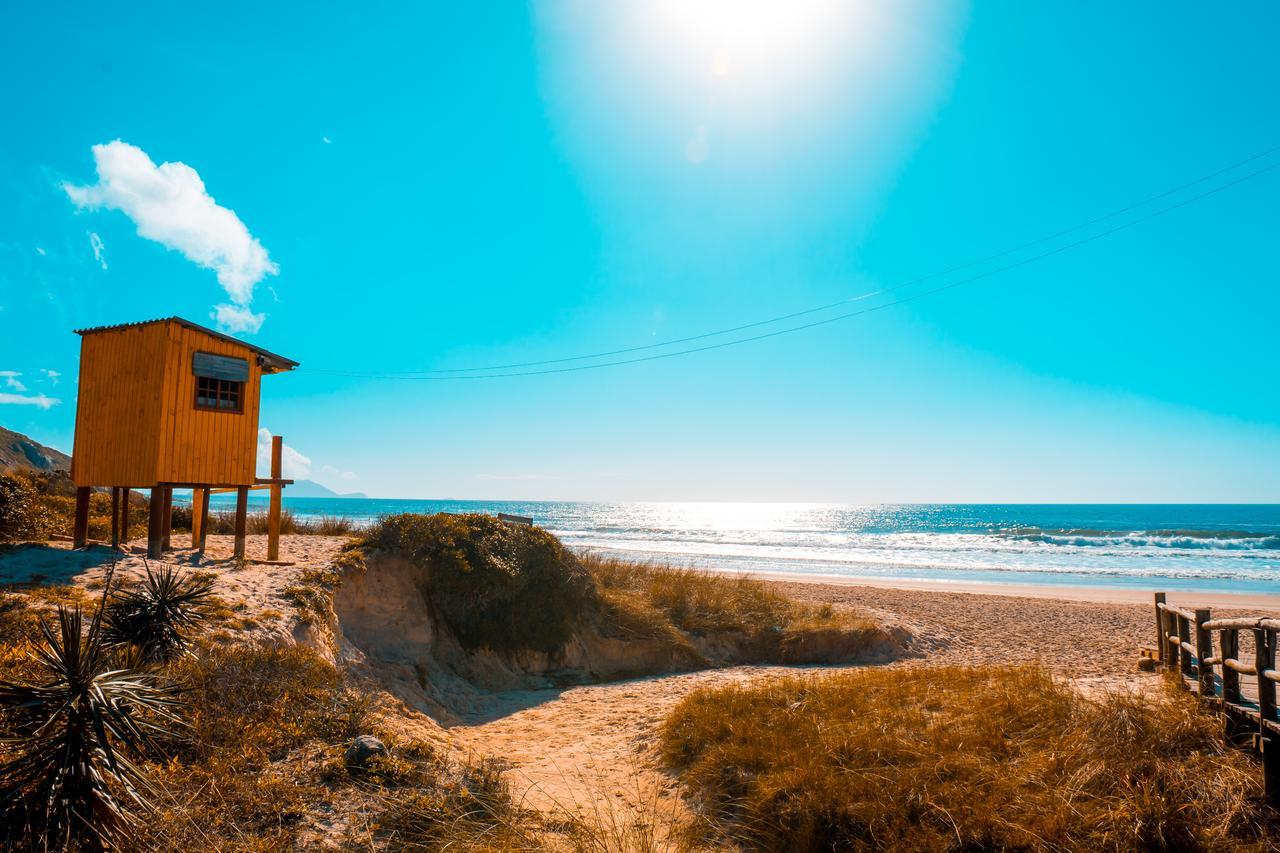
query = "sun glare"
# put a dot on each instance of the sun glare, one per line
(752, 35)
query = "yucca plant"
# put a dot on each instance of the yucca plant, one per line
(159, 617)
(71, 782)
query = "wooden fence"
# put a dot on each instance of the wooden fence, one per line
(1185, 642)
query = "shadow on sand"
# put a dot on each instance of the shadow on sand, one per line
(35, 563)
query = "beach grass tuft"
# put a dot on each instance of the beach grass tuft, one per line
(953, 758)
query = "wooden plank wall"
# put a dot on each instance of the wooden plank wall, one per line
(118, 407)
(197, 445)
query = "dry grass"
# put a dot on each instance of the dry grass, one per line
(224, 522)
(657, 602)
(962, 759)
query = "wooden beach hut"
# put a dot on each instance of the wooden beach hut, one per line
(167, 404)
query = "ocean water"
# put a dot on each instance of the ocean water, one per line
(1222, 548)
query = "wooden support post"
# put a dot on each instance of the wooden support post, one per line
(1162, 646)
(1204, 650)
(155, 524)
(242, 520)
(124, 516)
(204, 520)
(273, 512)
(166, 533)
(80, 532)
(1171, 639)
(115, 516)
(198, 497)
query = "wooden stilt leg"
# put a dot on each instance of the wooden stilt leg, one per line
(273, 513)
(155, 524)
(166, 531)
(242, 520)
(115, 516)
(124, 517)
(197, 504)
(204, 520)
(80, 533)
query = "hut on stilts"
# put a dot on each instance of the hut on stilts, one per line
(168, 404)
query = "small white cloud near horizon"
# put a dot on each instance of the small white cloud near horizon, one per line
(293, 465)
(40, 401)
(170, 205)
(11, 380)
(698, 148)
(515, 477)
(331, 471)
(51, 375)
(95, 242)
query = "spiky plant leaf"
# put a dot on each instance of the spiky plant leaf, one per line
(72, 782)
(160, 616)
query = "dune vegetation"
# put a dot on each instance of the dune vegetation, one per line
(961, 759)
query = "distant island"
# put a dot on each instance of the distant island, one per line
(312, 489)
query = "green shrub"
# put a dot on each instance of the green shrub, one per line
(497, 585)
(23, 514)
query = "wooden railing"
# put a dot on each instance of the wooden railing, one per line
(1185, 643)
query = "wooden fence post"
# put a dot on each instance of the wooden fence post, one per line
(1162, 645)
(1230, 678)
(1184, 636)
(1204, 651)
(1267, 742)
(242, 520)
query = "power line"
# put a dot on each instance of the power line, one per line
(847, 300)
(737, 341)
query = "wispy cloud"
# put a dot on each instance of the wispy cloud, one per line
(40, 401)
(51, 375)
(11, 380)
(331, 471)
(170, 205)
(293, 464)
(99, 254)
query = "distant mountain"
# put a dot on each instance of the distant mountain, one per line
(312, 489)
(18, 451)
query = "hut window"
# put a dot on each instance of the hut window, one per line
(220, 394)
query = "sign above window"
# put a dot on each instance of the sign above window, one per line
(225, 367)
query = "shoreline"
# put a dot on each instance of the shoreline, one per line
(1267, 604)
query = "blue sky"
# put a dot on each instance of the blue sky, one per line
(415, 188)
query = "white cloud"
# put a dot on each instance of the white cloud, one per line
(51, 375)
(698, 148)
(40, 251)
(331, 471)
(170, 205)
(40, 401)
(326, 140)
(96, 243)
(293, 464)
(236, 318)
(11, 380)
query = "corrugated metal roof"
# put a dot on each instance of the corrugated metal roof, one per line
(279, 362)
